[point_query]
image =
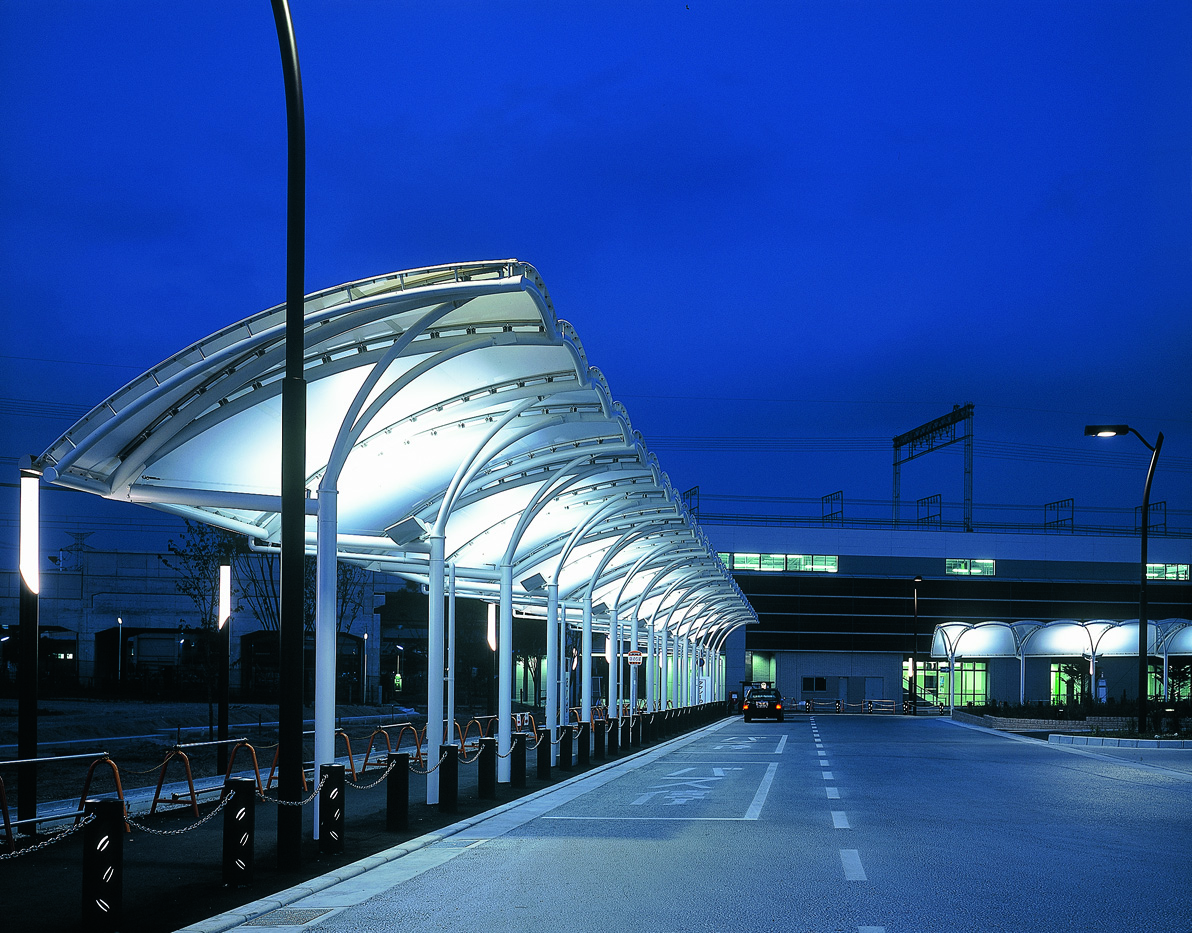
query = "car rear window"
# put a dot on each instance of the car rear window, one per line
(765, 695)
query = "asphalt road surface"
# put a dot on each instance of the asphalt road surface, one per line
(821, 823)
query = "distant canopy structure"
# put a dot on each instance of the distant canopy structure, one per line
(1092, 639)
(452, 418)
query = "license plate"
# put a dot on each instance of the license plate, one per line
(762, 704)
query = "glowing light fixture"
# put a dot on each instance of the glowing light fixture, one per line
(30, 531)
(225, 595)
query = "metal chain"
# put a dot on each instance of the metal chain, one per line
(392, 765)
(442, 758)
(295, 803)
(54, 837)
(178, 832)
(464, 759)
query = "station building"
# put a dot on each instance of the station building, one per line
(1029, 612)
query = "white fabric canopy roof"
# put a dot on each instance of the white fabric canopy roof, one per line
(451, 395)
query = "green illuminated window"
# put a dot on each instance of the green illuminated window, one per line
(1167, 572)
(933, 681)
(812, 563)
(970, 568)
(773, 562)
(747, 561)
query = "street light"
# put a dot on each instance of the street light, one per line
(915, 651)
(1114, 430)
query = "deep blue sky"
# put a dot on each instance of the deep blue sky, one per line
(810, 226)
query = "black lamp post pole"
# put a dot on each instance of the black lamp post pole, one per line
(293, 460)
(1142, 621)
(1115, 430)
(915, 650)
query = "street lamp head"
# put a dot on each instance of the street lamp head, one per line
(1106, 430)
(918, 579)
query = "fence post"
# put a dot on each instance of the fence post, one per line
(331, 809)
(397, 793)
(486, 774)
(543, 753)
(103, 865)
(449, 779)
(239, 827)
(565, 749)
(517, 763)
(598, 730)
(584, 745)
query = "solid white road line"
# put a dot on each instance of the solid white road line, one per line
(759, 799)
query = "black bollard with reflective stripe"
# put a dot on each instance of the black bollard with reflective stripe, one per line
(544, 754)
(486, 770)
(627, 733)
(397, 793)
(565, 749)
(517, 760)
(103, 865)
(635, 731)
(239, 829)
(449, 779)
(331, 809)
(584, 745)
(598, 731)
(612, 733)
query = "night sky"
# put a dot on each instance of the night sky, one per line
(786, 232)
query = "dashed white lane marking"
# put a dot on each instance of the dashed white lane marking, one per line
(833, 793)
(781, 746)
(851, 861)
(827, 775)
(759, 799)
(840, 820)
(821, 753)
(871, 930)
(825, 763)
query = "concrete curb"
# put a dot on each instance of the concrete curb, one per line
(231, 919)
(1105, 742)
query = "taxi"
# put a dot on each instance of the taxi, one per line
(763, 703)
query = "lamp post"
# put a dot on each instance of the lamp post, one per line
(223, 632)
(365, 682)
(1113, 430)
(914, 691)
(119, 651)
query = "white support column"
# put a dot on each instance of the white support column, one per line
(325, 636)
(613, 652)
(434, 667)
(505, 676)
(651, 668)
(1022, 676)
(585, 659)
(451, 649)
(551, 675)
(634, 670)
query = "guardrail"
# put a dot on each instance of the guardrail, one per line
(105, 821)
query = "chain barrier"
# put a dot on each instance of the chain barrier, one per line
(156, 767)
(53, 837)
(295, 803)
(350, 784)
(178, 832)
(442, 758)
(464, 759)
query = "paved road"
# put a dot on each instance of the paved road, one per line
(822, 823)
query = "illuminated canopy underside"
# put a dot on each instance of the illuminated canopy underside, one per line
(460, 352)
(1061, 638)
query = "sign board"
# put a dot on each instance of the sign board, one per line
(633, 657)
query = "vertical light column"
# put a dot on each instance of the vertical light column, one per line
(505, 676)
(30, 559)
(325, 579)
(551, 675)
(223, 634)
(434, 666)
(585, 654)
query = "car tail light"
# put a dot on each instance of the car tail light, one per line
(778, 706)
